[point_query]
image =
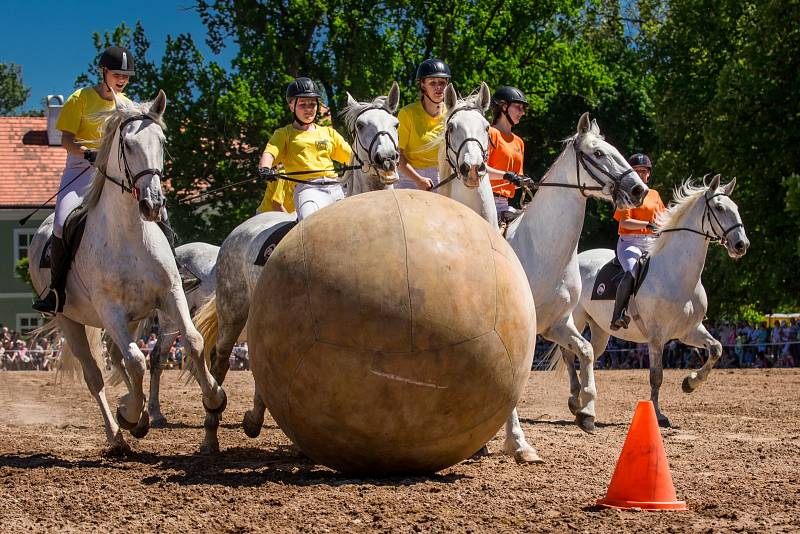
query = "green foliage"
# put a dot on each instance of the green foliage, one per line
(13, 92)
(21, 270)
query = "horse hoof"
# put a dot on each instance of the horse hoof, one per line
(222, 405)
(158, 421)
(209, 449)
(687, 386)
(663, 422)
(124, 423)
(527, 456)
(142, 427)
(251, 428)
(482, 452)
(585, 422)
(573, 406)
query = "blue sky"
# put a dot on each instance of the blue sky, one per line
(52, 41)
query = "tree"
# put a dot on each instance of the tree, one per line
(13, 92)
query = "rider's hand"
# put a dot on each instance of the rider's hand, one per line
(267, 173)
(651, 227)
(513, 178)
(90, 155)
(426, 184)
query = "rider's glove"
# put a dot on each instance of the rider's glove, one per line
(267, 173)
(651, 227)
(89, 155)
(513, 178)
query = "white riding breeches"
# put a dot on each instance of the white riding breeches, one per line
(406, 182)
(72, 195)
(630, 248)
(309, 199)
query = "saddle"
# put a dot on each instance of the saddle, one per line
(72, 235)
(607, 281)
(272, 241)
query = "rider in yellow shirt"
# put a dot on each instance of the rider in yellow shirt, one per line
(80, 134)
(308, 148)
(420, 125)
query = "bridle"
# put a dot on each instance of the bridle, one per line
(129, 184)
(448, 147)
(581, 160)
(370, 162)
(708, 215)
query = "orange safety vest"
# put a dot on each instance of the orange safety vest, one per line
(505, 154)
(648, 211)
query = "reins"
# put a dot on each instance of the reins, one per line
(129, 185)
(708, 213)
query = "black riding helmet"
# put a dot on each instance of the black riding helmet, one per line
(433, 68)
(301, 88)
(507, 95)
(118, 59)
(640, 160)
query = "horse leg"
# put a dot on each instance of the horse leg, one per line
(214, 398)
(132, 414)
(566, 335)
(161, 349)
(515, 444)
(231, 323)
(701, 338)
(75, 334)
(119, 369)
(656, 377)
(254, 419)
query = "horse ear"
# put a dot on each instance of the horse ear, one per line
(584, 124)
(714, 185)
(484, 97)
(350, 100)
(728, 188)
(594, 128)
(159, 104)
(393, 100)
(450, 96)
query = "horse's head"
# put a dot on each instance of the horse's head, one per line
(134, 157)
(466, 137)
(599, 163)
(374, 129)
(722, 216)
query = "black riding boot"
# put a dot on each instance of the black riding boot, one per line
(188, 280)
(620, 318)
(60, 262)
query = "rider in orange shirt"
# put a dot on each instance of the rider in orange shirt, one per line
(636, 236)
(506, 150)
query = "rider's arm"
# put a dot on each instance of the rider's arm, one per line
(68, 142)
(266, 160)
(633, 224)
(405, 167)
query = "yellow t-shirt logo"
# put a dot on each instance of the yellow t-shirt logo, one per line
(321, 144)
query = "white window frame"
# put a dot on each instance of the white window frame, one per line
(17, 233)
(21, 316)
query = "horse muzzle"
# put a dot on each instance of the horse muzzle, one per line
(737, 247)
(472, 175)
(149, 210)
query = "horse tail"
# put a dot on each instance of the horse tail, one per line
(69, 367)
(207, 323)
(552, 359)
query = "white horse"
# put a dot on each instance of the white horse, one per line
(671, 303)
(223, 319)
(545, 238)
(200, 259)
(124, 268)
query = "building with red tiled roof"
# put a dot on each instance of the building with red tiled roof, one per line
(30, 172)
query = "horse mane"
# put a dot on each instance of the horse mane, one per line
(351, 112)
(684, 197)
(111, 120)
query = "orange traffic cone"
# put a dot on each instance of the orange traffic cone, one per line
(642, 478)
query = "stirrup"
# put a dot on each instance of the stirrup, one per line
(621, 322)
(47, 306)
(189, 284)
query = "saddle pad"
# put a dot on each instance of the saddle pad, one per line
(74, 227)
(607, 281)
(272, 241)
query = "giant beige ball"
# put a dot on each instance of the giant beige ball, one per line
(392, 332)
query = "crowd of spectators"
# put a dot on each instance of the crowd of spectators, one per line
(744, 345)
(175, 357)
(27, 353)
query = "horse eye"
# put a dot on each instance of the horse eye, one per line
(359, 124)
(719, 207)
(598, 154)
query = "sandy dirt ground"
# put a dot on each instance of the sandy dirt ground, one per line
(734, 451)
